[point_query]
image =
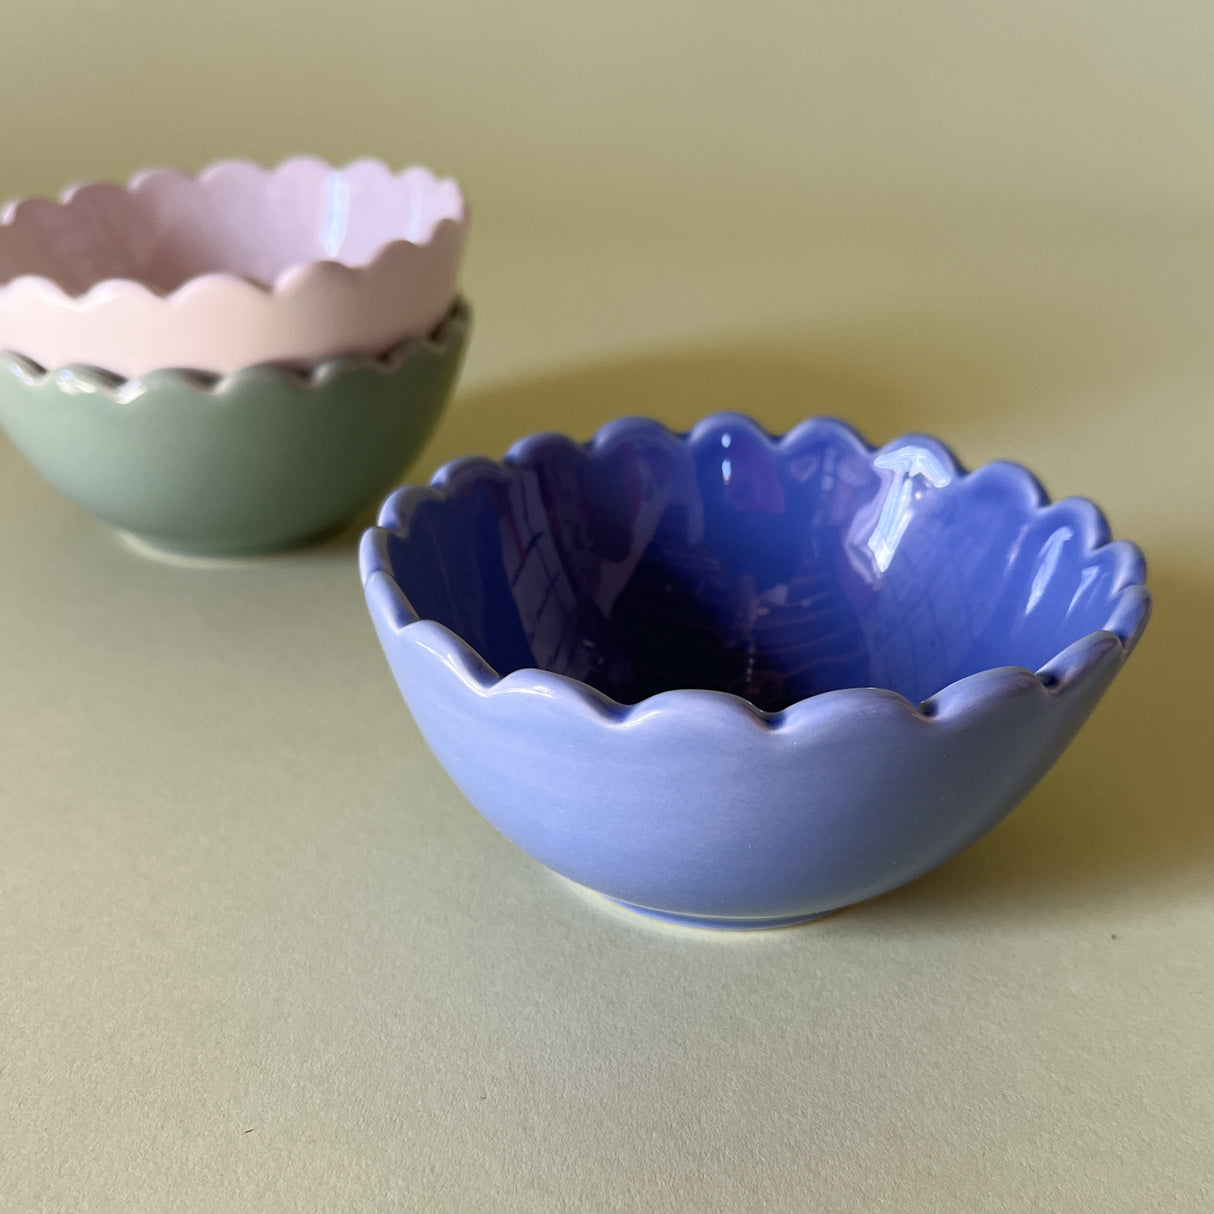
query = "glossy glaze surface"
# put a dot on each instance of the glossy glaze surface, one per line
(729, 565)
(263, 459)
(734, 679)
(235, 266)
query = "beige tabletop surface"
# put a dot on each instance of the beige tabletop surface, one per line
(256, 952)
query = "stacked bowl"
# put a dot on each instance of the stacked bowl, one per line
(237, 361)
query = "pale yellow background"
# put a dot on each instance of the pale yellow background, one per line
(256, 954)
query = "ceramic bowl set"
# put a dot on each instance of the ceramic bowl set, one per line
(237, 361)
(725, 679)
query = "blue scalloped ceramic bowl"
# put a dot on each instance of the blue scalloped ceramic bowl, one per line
(734, 681)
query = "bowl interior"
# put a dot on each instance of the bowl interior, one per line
(773, 571)
(235, 218)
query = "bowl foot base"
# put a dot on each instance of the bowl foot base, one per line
(720, 925)
(185, 554)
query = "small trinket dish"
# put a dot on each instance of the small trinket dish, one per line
(734, 681)
(237, 266)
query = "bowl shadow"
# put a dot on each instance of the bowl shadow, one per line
(778, 385)
(775, 384)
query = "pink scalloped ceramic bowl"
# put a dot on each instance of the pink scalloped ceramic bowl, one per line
(237, 266)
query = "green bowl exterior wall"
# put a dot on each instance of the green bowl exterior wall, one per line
(256, 461)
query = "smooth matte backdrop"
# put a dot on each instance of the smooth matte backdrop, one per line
(256, 952)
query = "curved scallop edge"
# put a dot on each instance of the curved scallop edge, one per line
(289, 282)
(976, 692)
(82, 380)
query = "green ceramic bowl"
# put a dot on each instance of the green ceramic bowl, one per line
(262, 459)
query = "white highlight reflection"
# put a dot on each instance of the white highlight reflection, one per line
(1047, 562)
(908, 464)
(337, 214)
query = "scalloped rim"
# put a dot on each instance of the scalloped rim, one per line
(79, 380)
(293, 279)
(1129, 617)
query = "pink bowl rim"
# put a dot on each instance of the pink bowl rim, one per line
(48, 291)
